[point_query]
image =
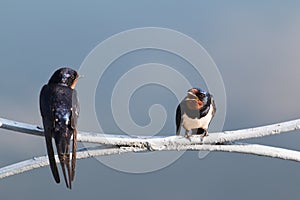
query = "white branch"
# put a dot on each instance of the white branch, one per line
(21, 127)
(159, 143)
(38, 162)
(255, 149)
(116, 144)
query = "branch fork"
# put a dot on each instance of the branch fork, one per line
(117, 144)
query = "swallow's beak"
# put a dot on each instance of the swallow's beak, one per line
(191, 96)
(75, 81)
(80, 76)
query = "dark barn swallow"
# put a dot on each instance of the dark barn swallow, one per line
(59, 109)
(195, 112)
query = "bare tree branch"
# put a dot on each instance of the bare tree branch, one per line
(21, 127)
(158, 142)
(255, 149)
(117, 144)
(38, 162)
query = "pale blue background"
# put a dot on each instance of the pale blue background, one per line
(255, 44)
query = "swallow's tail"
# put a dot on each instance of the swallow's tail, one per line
(63, 150)
(65, 163)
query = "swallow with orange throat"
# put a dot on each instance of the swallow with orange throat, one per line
(195, 112)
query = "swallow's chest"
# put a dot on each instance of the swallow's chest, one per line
(192, 123)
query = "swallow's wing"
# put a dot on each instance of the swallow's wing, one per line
(178, 119)
(75, 109)
(46, 112)
(51, 157)
(213, 105)
(74, 117)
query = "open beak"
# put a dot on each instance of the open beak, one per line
(191, 96)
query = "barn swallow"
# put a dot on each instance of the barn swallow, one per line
(59, 108)
(195, 112)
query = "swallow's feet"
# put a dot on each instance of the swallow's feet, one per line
(188, 136)
(204, 134)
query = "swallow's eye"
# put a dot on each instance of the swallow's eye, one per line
(201, 95)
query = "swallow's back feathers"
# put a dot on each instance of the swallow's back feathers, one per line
(59, 109)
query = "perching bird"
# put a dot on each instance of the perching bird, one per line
(59, 109)
(195, 112)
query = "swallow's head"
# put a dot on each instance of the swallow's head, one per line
(196, 98)
(65, 76)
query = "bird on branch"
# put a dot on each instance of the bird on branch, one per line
(195, 112)
(60, 109)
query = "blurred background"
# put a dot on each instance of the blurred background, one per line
(255, 45)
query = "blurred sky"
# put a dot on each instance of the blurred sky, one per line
(255, 45)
